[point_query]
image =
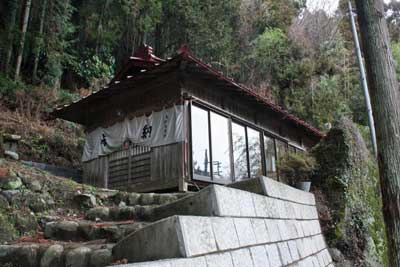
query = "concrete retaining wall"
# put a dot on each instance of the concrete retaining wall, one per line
(255, 256)
(278, 226)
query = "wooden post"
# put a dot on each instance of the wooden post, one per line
(129, 164)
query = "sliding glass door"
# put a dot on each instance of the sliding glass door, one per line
(200, 143)
(254, 148)
(220, 143)
(240, 155)
(270, 157)
(224, 150)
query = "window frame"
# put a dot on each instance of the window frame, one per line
(223, 181)
(193, 175)
(231, 119)
(247, 150)
(275, 155)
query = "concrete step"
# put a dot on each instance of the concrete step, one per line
(192, 236)
(221, 219)
(254, 256)
(84, 230)
(216, 200)
(272, 188)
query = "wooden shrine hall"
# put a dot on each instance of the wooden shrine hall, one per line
(174, 124)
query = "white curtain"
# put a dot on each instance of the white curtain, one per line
(160, 128)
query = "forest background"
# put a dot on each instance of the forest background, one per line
(54, 51)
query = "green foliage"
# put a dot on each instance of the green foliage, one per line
(272, 51)
(208, 27)
(297, 167)
(95, 67)
(8, 87)
(278, 13)
(396, 57)
(329, 104)
(66, 97)
(7, 228)
(348, 176)
(58, 41)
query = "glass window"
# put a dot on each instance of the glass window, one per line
(270, 160)
(292, 149)
(239, 151)
(220, 142)
(200, 142)
(281, 149)
(254, 144)
(300, 151)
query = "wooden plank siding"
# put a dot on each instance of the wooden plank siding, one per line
(143, 169)
(95, 172)
(167, 162)
(129, 166)
(232, 103)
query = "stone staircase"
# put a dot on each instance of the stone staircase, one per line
(86, 239)
(265, 224)
(258, 222)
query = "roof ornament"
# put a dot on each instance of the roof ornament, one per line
(184, 49)
(145, 53)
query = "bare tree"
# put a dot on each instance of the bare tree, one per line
(22, 39)
(39, 43)
(385, 97)
(10, 37)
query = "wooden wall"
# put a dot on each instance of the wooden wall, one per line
(146, 169)
(250, 112)
(95, 172)
(139, 101)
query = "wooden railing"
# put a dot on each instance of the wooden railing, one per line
(129, 166)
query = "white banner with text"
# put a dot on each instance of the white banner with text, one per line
(160, 128)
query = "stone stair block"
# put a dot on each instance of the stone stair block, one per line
(254, 256)
(269, 187)
(190, 236)
(216, 200)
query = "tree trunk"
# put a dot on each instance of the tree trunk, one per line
(10, 39)
(385, 97)
(39, 44)
(22, 40)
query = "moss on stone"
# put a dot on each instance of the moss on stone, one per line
(7, 228)
(348, 176)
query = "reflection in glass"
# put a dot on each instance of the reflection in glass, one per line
(220, 147)
(200, 142)
(281, 151)
(270, 161)
(254, 144)
(239, 151)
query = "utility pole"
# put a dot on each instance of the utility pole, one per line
(364, 83)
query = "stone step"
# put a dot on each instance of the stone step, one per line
(146, 199)
(57, 254)
(116, 213)
(269, 187)
(254, 256)
(89, 230)
(192, 236)
(216, 200)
